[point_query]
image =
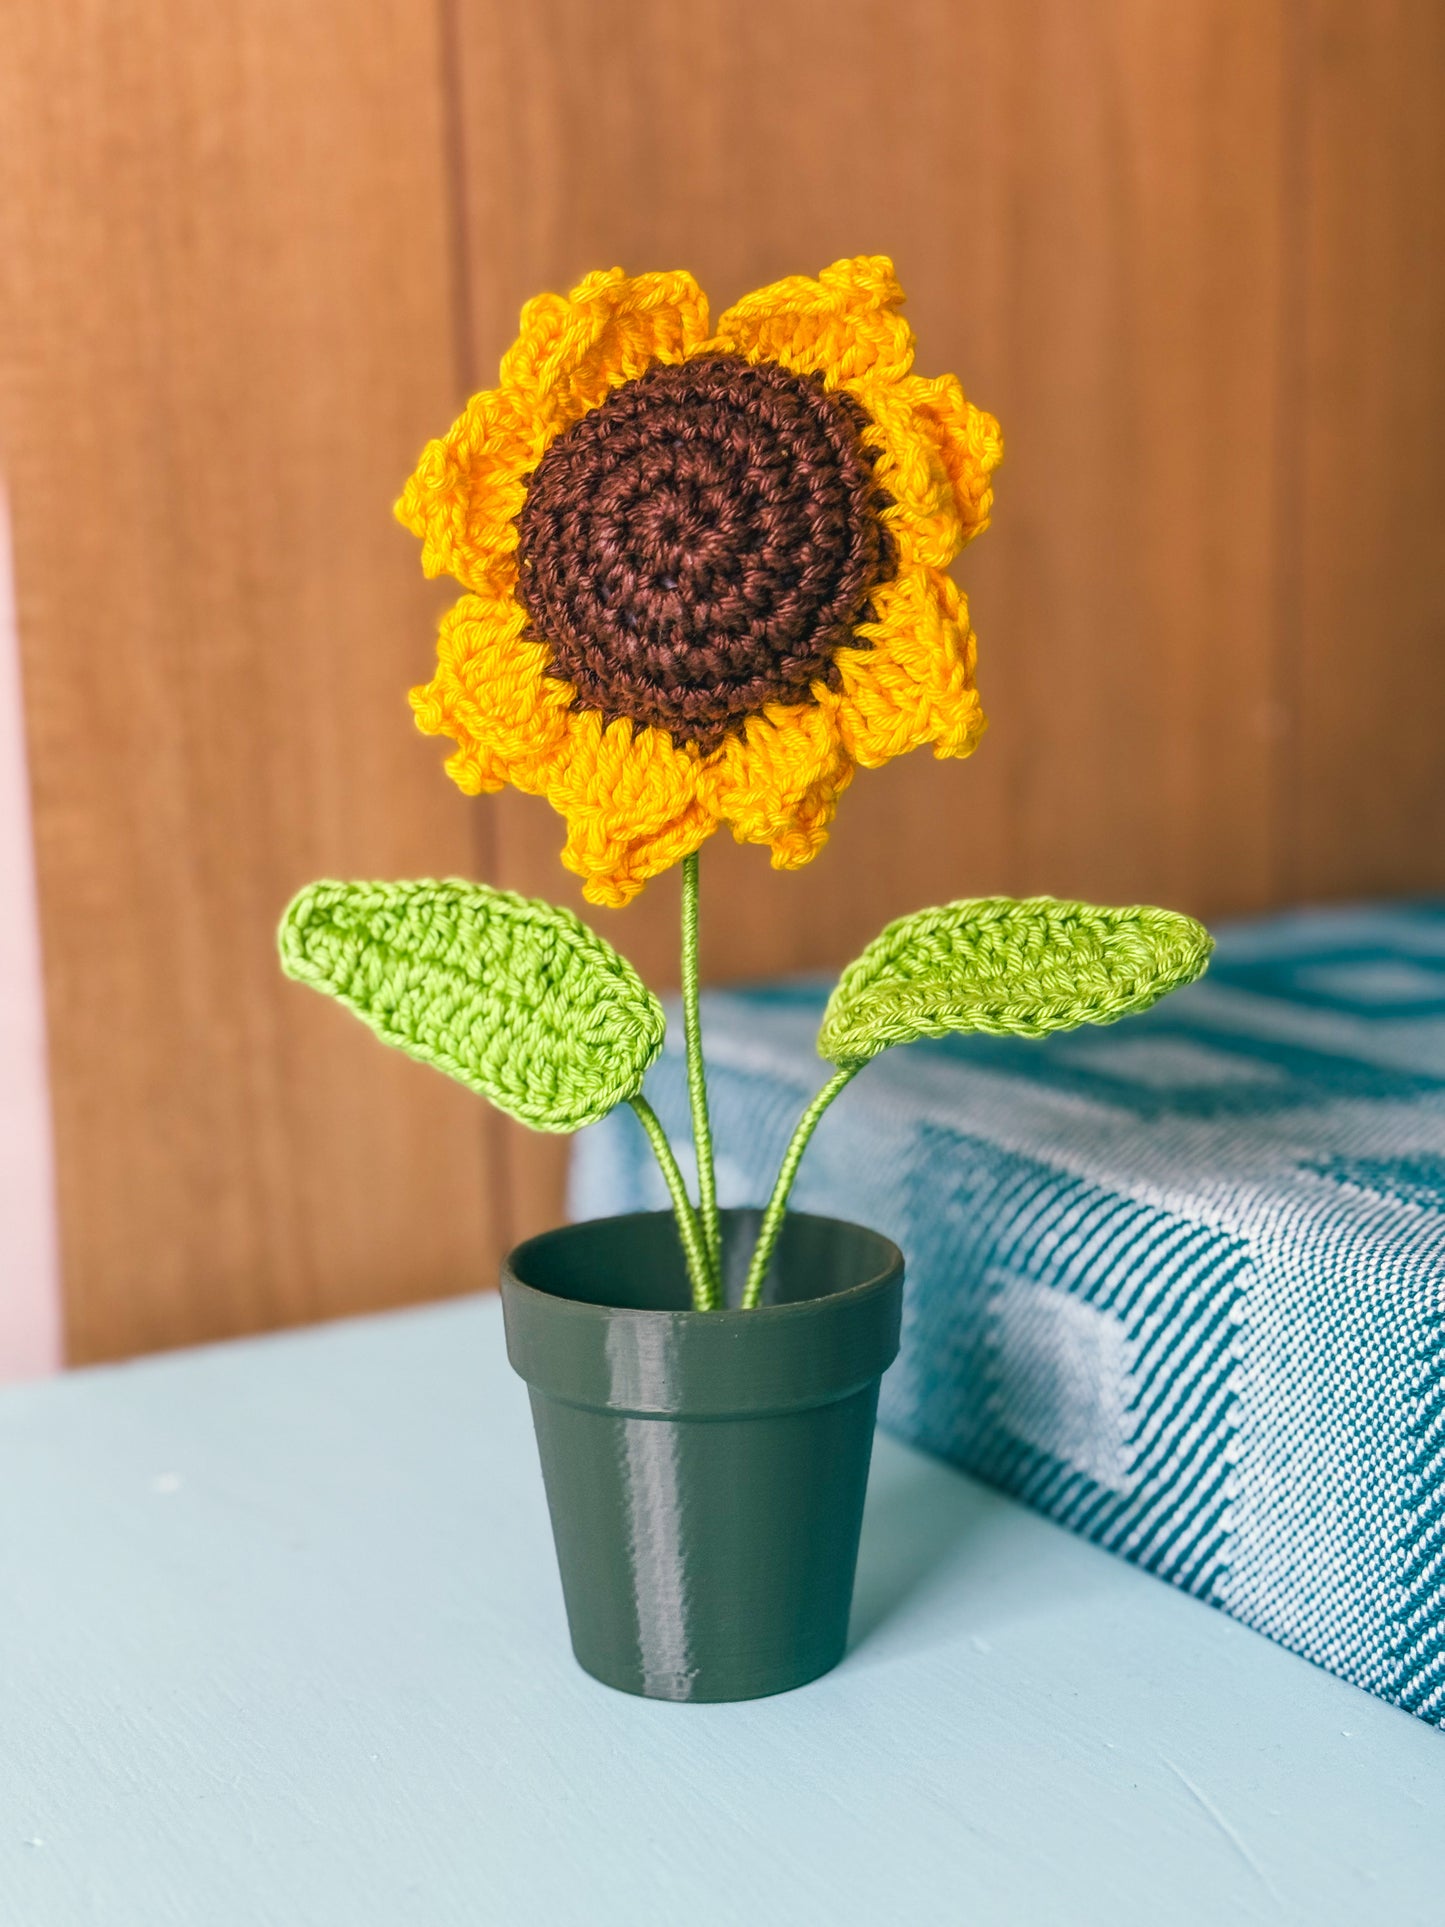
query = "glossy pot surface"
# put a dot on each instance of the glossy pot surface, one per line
(705, 1471)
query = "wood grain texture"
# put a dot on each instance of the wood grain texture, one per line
(227, 270)
(1087, 206)
(1363, 780)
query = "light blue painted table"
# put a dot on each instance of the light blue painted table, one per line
(283, 1647)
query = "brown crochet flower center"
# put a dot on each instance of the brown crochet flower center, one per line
(701, 544)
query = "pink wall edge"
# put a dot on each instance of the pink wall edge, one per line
(30, 1310)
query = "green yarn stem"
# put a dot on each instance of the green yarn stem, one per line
(778, 1203)
(699, 1271)
(697, 1077)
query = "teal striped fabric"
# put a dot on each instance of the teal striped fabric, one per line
(1179, 1284)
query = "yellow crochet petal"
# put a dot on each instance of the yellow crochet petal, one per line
(779, 783)
(842, 326)
(491, 694)
(634, 802)
(571, 352)
(914, 685)
(469, 486)
(936, 454)
(968, 440)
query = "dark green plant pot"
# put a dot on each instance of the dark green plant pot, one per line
(705, 1470)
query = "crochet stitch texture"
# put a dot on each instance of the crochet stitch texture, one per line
(704, 564)
(514, 998)
(699, 546)
(1008, 967)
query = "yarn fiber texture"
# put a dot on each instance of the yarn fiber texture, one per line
(1008, 967)
(704, 564)
(700, 545)
(514, 998)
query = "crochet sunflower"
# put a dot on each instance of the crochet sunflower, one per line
(704, 564)
(705, 583)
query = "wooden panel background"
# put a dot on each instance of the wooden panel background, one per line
(228, 253)
(1190, 254)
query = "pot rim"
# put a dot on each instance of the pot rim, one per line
(678, 1362)
(891, 1256)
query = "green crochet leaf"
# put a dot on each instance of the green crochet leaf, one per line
(1008, 967)
(516, 999)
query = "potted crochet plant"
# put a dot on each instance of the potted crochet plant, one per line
(703, 573)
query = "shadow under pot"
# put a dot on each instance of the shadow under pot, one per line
(705, 1470)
